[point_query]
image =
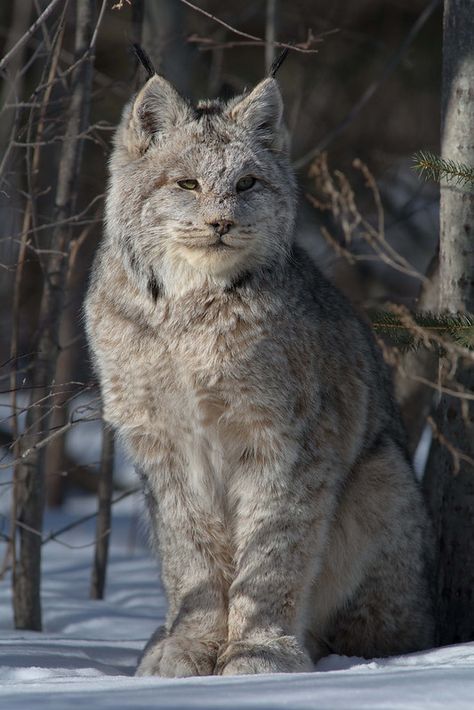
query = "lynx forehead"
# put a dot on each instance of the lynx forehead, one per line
(204, 192)
(272, 455)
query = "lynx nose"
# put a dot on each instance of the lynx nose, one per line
(222, 226)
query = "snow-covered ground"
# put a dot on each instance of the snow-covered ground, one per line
(86, 655)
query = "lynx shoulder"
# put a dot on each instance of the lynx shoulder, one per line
(253, 401)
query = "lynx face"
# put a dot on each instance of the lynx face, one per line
(202, 192)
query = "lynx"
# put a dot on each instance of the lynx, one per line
(253, 400)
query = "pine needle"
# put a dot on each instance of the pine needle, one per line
(433, 167)
(455, 327)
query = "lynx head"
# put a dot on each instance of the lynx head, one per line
(200, 193)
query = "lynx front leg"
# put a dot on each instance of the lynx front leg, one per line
(194, 572)
(281, 528)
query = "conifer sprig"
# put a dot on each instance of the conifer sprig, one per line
(455, 327)
(433, 167)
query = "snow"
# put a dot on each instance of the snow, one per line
(86, 656)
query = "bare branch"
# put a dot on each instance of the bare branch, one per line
(335, 195)
(392, 64)
(54, 536)
(298, 47)
(38, 22)
(456, 453)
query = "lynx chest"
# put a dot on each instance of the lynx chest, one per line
(184, 370)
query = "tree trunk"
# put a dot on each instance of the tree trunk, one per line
(104, 517)
(450, 495)
(29, 472)
(270, 33)
(163, 36)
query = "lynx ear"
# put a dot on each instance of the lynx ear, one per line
(157, 108)
(261, 111)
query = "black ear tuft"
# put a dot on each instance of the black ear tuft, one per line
(277, 62)
(144, 60)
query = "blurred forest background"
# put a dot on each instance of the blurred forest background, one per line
(362, 90)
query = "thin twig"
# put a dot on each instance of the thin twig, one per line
(338, 197)
(54, 535)
(299, 47)
(44, 16)
(457, 454)
(372, 88)
(392, 356)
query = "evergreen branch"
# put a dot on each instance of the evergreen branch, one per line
(455, 327)
(433, 167)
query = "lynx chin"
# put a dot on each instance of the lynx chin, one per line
(254, 402)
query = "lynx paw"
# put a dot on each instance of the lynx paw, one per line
(178, 657)
(277, 655)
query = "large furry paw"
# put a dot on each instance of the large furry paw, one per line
(178, 657)
(275, 655)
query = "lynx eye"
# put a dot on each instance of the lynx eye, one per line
(245, 183)
(188, 184)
